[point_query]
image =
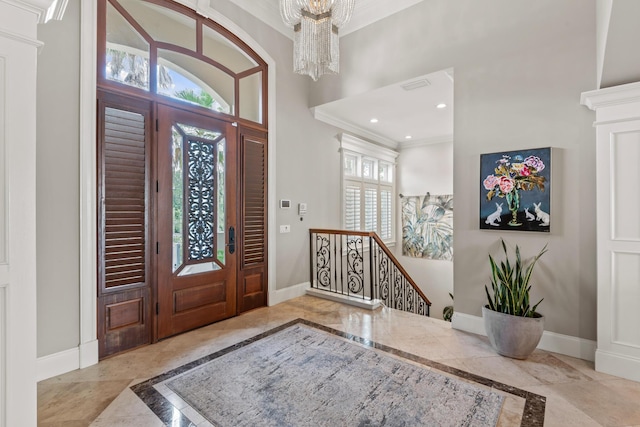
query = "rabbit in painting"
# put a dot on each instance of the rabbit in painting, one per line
(495, 216)
(541, 215)
(530, 216)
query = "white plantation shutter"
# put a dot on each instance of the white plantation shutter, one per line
(352, 207)
(368, 182)
(370, 209)
(385, 214)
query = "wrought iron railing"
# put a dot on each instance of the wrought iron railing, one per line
(359, 265)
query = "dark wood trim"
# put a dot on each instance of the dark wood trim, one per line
(131, 20)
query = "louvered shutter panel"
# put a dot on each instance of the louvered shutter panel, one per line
(254, 224)
(124, 198)
(252, 276)
(352, 207)
(370, 209)
(123, 257)
(385, 214)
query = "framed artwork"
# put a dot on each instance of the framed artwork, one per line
(515, 190)
(427, 226)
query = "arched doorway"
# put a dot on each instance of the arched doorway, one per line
(182, 135)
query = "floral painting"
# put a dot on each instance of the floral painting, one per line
(427, 227)
(515, 190)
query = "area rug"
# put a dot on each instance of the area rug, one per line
(303, 374)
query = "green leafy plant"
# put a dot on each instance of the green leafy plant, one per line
(447, 312)
(510, 284)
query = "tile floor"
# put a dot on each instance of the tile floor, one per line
(576, 394)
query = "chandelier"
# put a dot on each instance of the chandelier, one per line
(315, 33)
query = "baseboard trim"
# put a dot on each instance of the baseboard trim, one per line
(551, 341)
(345, 299)
(88, 354)
(618, 364)
(281, 295)
(57, 363)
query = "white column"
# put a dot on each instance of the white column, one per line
(618, 227)
(18, 55)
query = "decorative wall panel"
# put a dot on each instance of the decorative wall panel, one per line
(3, 173)
(625, 298)
(625, 205)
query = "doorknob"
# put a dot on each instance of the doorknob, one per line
(232, 240)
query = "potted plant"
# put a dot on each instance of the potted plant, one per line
(513, 325)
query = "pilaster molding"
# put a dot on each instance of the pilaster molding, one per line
(44, 10)
(88, 201)
(20, 38)
(616, 95)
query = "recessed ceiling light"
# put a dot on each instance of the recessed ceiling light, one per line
(374, 120)
(441, 105)
(408, 137)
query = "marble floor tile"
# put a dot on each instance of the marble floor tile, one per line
(576, 395)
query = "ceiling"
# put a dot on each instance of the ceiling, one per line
(400, 112)
(403, 109)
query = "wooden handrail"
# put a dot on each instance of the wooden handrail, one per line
(342, 232)
(382, 245)
(400, 267)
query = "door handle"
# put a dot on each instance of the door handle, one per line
(232, 240)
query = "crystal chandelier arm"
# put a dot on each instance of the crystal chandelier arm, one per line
(290, 11)
(341, 12)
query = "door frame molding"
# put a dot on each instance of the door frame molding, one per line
(88, 348)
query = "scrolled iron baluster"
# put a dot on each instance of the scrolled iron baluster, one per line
(409, 297)
(323, 260)
(383, 276)
(355, 266)
(398, 291)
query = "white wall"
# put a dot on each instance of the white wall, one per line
(422, 169)
(520, 67)
(58, 198)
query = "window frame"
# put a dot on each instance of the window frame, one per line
(362, 152)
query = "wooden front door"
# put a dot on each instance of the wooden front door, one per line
(196, 220)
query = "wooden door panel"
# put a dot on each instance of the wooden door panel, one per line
(196, 272)
(124, 318)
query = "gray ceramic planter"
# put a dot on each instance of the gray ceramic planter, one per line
(512, 336)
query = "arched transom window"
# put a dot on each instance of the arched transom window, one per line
(162, 49)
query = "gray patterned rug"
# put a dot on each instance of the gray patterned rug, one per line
(303, 376)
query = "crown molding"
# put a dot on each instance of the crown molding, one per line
(424, 142)
(358, 145)
(351, 128)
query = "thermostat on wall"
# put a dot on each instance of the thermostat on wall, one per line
(285, 204)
